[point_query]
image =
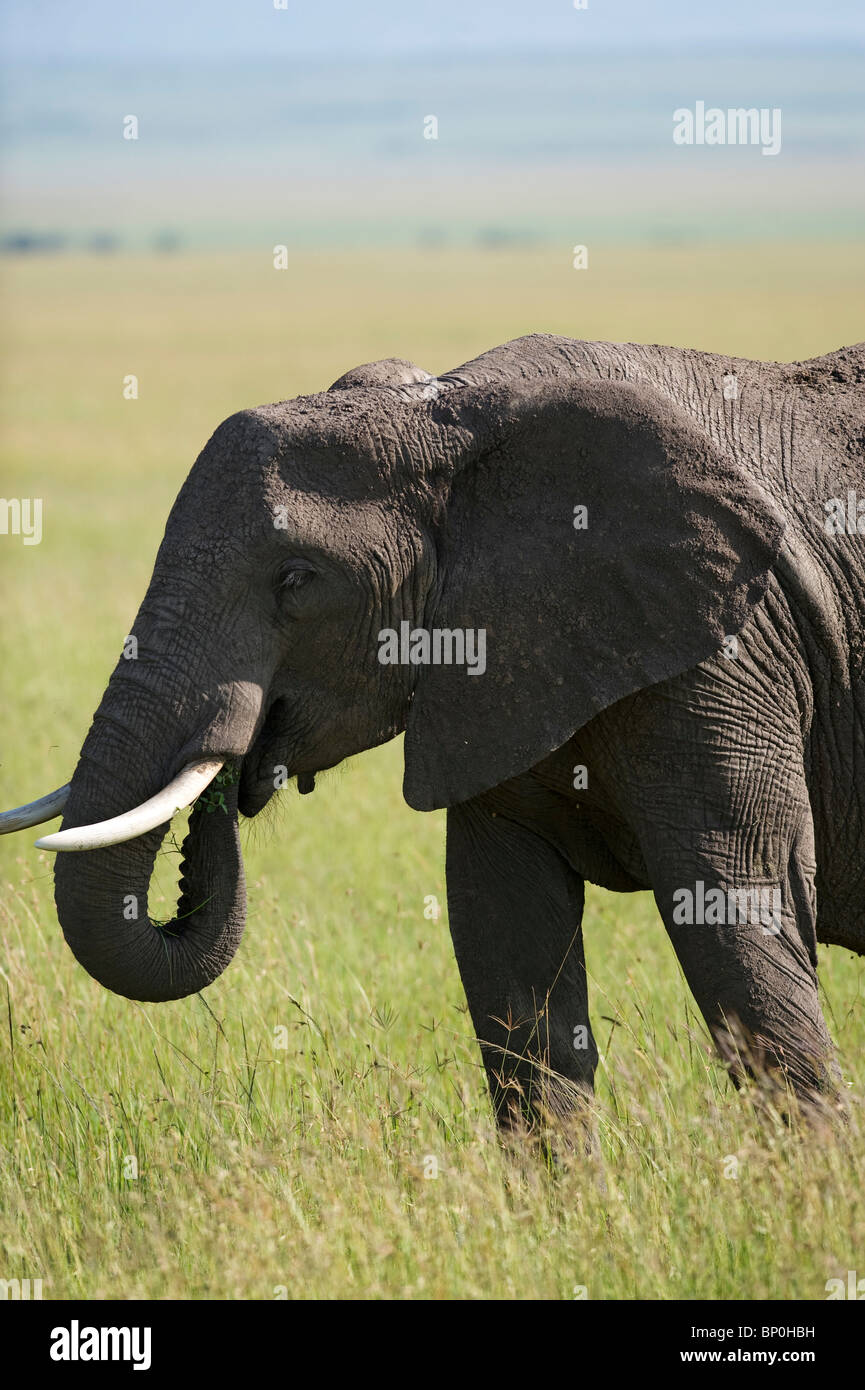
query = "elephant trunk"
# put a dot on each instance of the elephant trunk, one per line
(142, 734)
(101, 898)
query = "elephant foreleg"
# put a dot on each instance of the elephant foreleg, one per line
(515, 909)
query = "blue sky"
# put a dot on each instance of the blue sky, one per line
(222, 28)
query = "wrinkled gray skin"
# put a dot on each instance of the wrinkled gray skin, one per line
(448, 504)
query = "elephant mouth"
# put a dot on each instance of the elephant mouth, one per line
(266, 767)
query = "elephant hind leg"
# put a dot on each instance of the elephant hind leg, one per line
(745, 942)
(727, 838)
(739, 904)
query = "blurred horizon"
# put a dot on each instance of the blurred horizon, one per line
(532, 148)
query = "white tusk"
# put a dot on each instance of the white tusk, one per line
(35, 812)
(186, 787)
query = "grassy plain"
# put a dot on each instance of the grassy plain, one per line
(282, 1124)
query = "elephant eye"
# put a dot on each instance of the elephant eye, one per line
(294, 574)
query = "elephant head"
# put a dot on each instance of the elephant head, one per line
(586, 527)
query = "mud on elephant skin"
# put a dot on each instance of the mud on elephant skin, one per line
(664, 551)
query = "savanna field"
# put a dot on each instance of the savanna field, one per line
(316, 1125)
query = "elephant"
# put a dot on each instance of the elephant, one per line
(613, 596)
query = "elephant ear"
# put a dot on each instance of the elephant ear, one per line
(579, 607)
